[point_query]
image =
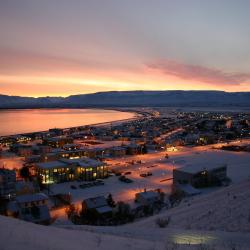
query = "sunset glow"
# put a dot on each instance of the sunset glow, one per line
(79, 49)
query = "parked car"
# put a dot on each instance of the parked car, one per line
(125, 179)
(126, 173)
(146, 174)
(99, 182)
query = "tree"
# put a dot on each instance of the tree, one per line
(123, 212)
(25, 172)
(144, 149)
(110, 200)
(70, 210)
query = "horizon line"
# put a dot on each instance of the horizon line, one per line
(91, 93)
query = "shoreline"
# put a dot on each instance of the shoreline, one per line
(136, 115)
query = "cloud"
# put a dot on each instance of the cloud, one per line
(199, 73)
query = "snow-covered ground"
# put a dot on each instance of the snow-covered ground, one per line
(17, 234)
(220, 219)
(237, 162)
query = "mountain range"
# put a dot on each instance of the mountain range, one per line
(176, 98)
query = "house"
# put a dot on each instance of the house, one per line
(71, 147)
(73, 154)
(24, 150)
(147, 198)
(21, 149)
(118, 151)
(21, 138)
(63, 170)
(97, 152)
(26, 187)
(199, 175)
(58, 142)
(7, 183)
(56, 131)
(98, 204)
(44, 149)
(133, 149)
(30, 207)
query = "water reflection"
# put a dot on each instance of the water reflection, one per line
(25, 121)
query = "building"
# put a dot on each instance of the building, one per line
(26, 187)
(147, 198)
(118, 151)
(30, 207)
(58, 142)
(98, 204)
(73, 154)
(199, 175)
(63, 170)
(71, 147)
(56, 131)
(21, 149)
(7, 183)
(133, 149)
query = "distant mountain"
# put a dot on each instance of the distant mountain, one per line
(132, 98)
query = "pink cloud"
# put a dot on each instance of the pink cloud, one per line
(199, 73)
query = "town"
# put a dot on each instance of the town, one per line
(117, 173)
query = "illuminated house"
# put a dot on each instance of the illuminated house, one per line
(73, 154)
(63, 170)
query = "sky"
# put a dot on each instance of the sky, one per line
(65, 47)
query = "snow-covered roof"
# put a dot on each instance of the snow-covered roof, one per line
(24, 184)
(83, 162)
(105, 209)
(31, 197)
(64, 163)
(52, 164)
(96, 202)
(195, 168)
(5, 171)
(118, 148)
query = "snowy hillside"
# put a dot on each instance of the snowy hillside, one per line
(16, 234)
(196, 222)
(227, 209)
(220, 219)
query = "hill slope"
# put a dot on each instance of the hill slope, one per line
(16, 234)
(133, 98)
(188, 228)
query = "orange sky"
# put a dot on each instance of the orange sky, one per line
(87, 46)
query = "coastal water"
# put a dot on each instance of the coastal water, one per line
(31, 120)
